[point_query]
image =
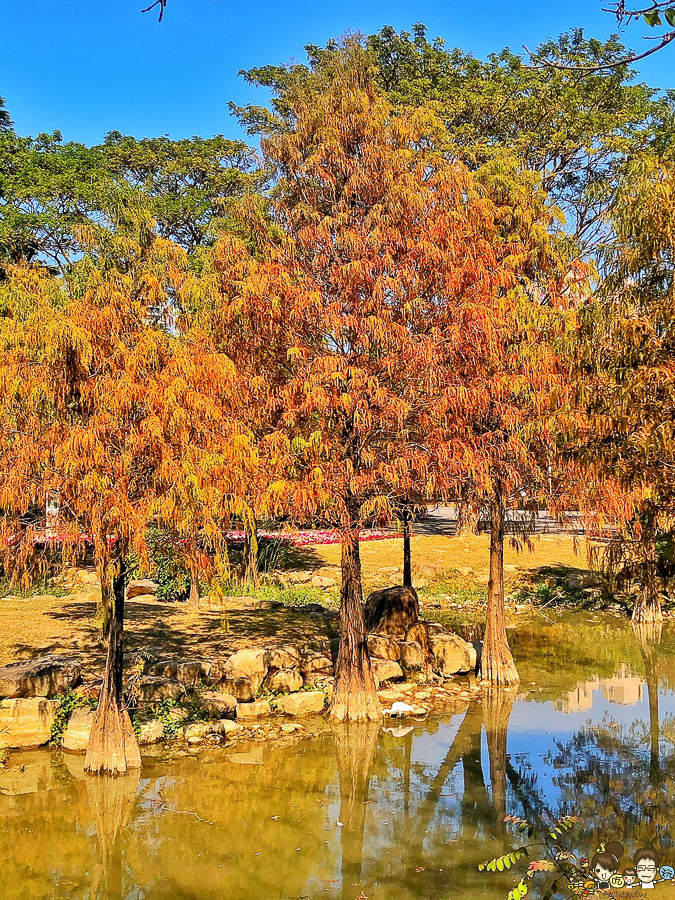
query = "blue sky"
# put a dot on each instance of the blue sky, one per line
(89, 66)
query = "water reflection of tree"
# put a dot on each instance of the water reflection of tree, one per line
(621, 780)
(111, 801)
(355, 745)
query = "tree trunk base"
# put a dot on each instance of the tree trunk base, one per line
(355, 706)
(113, 748)
(497, 666)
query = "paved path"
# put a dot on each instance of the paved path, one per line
(443, 520)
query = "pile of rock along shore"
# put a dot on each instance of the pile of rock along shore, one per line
(255, 693)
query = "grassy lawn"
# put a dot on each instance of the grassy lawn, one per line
(43, 623)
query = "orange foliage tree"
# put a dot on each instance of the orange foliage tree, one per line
(361, 323)
(105, 408)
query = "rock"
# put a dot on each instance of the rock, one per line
(388, 570)
(151, 732)
(382, 647)
(76, 735)
(286, 657)
(435, 628)
(40, 677)
(317, 665)
(299, 577)
(220, 705)
(195, 733)
(591, 580)
(240, 688)
(386, 670)
(291, 727)
(314, 609)
(26, 722)
(254, 710)
(452, 655)
(252, 664)
(412, 655)
(140, 587)
(390, 696)
(153, 688)
(187, 672)
(391, 610)
(306, 703)
(322, 581)
(284, 681)
(465, 571)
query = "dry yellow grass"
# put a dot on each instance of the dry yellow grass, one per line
(66, 625)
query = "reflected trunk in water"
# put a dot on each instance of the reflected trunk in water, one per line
(649, 637)
(111, 801)
(497, 707)
(355, 745)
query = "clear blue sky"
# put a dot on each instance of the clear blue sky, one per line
(89, 66)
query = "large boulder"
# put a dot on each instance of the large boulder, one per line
(284, 681)
(76, 735)
(240, 688)
(391, 610)
(153, 688)
(251, 664)
(452, 655)
(40, 677)
(255, 710)
(151, 732)
(382, 647)
(220, 705)
(26, 722)
(306, 703)
(316, 665)
(286, 657)
(386, 670)
(412, 655)
(186, 671)
(140, 588)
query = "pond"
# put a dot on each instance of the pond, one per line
(402, 814)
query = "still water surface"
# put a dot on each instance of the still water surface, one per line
(395, 816)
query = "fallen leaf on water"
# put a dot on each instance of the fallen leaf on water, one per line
(420, 868)
(275, 818)
(339, 823)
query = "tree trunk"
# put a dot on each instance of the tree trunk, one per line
(250, 560)
(355, 698)
(113, 748)
(407, 535)
(497, 665)
(193, 599)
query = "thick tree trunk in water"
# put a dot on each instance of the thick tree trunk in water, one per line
(355, 698)
(407, 535)
(193, 600)
(497, 663)
(113, 748)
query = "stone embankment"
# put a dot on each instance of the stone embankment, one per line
(255, 691)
